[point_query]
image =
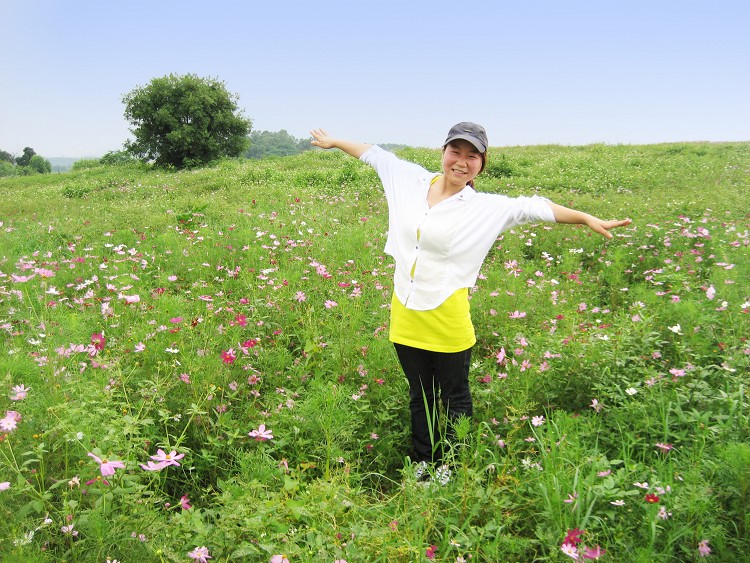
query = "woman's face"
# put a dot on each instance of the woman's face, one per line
(462, 162)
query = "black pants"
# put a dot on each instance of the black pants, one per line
(433, 374)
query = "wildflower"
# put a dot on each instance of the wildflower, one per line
(5, 485)
(537, 420)
(199, 554)
(663, 514)
(664, 447)
(643, 485)
(98, 340)
(430, 552)
(279, 559)
(617, 502)
(330, 304)
(74, 482)
(596, 405)
(228, 356)
(10, 422)
(651, 498)
(185, 502)
(710, 292)
(261, 434)
(19, 392)
(593, 552)
(501, 356)
(676, 329)
(517, 314)
(107, 467)
(570, 550)
(573, 536)
(393, 525)
(140, 347)
(631, 391)
(300, 296)
(69, 531)
(166, 459)
(703, 549)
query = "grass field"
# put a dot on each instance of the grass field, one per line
(197, 363)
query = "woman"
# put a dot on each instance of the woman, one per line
(439, 232)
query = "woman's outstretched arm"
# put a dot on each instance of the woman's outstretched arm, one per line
(575, 217)
(323, 140)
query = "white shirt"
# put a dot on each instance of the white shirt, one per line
(454, 236)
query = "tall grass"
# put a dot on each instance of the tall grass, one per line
(237, 315)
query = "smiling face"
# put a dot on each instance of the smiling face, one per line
(462, 162)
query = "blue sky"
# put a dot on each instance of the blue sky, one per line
(531, 71)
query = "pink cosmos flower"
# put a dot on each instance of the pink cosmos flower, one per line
(228, 356)
(501, 356)
(703, 549)
(185, 502)
(330, 304)
(280, 558)
(517, 314)
(664, 447)
(200, 554)
(537, 420)
(570, 550)
(19, 392)
(430, 552)
(261, 434)
(573, 536)
(5, 485)
(98, 340)
(300, 296)
(105, 466)
(593, 552)
(10, 422)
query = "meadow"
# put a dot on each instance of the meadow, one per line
(195, 366)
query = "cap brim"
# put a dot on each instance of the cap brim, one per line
(473, 140)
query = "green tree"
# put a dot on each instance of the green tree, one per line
(184, 121)
(25, 158)
(40, 165)
(281, 143)
(6, 157)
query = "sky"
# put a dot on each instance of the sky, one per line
(394, 71)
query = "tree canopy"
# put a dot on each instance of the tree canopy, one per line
(185, 121)
(278, 143)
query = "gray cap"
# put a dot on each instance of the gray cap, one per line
(471, 132)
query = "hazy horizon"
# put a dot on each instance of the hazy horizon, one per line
(576, 73)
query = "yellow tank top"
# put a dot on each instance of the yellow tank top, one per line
(447, 328)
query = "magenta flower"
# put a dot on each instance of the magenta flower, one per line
(593, 552)
(98, 340)
(703, 549)
(261, 434)
(430, 552)
(228, 356)
(105, 466)
(200, 554)
(664, 447)
(517, 315)
(185, 502)
(573, 536)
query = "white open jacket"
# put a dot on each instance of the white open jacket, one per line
(454, 236)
